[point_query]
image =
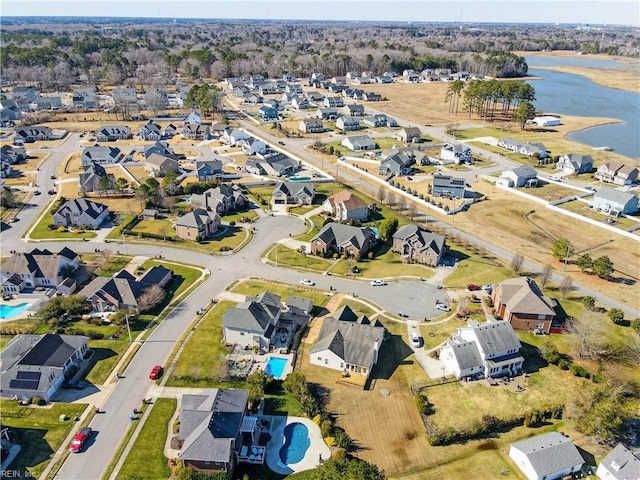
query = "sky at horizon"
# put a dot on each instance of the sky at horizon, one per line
(618, 12)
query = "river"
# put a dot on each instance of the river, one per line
(570, 94)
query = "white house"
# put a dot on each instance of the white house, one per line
(575, 163)
(614, 202)
(484, 350)
(619, 464)
(252, 145)
(348, 123)
(348, 343)
(80, 212)
(456, 152)
(523, 176)
(358, 142)
(38, 268)
(546, 121)
(546, 457)
(346, 206)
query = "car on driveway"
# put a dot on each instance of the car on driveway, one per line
(156, 372)
(473, 287)
(80, 439)
(378, 283)
(443, 307)
(77, 384)
(415, 340)
(307, 282)
(487, 288)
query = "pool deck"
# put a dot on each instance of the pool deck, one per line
(311, 458)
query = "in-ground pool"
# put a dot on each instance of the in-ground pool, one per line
(296, 443)
(10, 311)
(275, 366)
(375, 231)
(299, 179)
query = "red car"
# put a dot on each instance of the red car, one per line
(80, 439)
(156, 372)
(472, 286)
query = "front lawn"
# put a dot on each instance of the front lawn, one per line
(474, 268)
(385, 264)
(249, 214)
(255, 287)
(39, 432)
(162, 227)
(147, 453)
(42, 231)
(357, 307)
(434, 335)
(112, 266)
(293, 258)
(184, 277)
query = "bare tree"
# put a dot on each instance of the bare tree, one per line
(106, 254)
(155, 101)
(151, 297)
(516, 263)
(63, 74)
(545, 275)
(587, 334)
(382, 194)
(391, 199)
(566, 285)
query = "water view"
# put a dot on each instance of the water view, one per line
(570, 94)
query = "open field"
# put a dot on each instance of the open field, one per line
(550, 191)
(473, 268)
(147, 453)
(384, 265)
(502, 219)
(39, 432)
(580, 207)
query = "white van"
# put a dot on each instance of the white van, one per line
(415, 340)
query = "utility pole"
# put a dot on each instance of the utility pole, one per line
(128, 327)
(566, 258)
(125, 244)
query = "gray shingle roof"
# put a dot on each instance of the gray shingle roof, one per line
(496, 337)
(302, 303)
(549, 453)
(79, 205)
(424, 239)
(467, 354)
(196, 218)
(612, 195)
(250, 316)
(621, 464)
(40, 263)
(342, 234)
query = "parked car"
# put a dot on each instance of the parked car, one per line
(409, 178)
(472, 287)
(51, 192)
(378, 283)
(443, 307)
(306, 281)
(281, 142)
(156, 372)
(415, 340)
(403, 315)
(77, 384)
(80, 439)
(37, 192)
(487, 288)
(53, 177)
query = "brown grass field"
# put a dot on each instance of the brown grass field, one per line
(549, 191)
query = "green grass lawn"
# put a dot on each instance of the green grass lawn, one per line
(434, 335)
(579, 207)
(116, 232)
(256, 287)
(473, 268)
(357, 307)
(162, 227)
(113, 266)
(236, 216)
(4, 339)
(293, 258)
(384, 264)
(317, 222)
(147, 453)
(183, 278)
(39, 432)
(42, 231)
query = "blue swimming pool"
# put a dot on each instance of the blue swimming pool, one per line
(10, 311)
(299, 179)
(296, 443)
(275, 366)
(375, 232)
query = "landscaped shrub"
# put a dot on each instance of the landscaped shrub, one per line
(36, 400)
(330, 441)
(326, 429)
(564, 364)
(579, 371)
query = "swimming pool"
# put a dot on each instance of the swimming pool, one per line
(10, 311)
(296, 443)
(375, 232)
(275, 366)
(299, 179)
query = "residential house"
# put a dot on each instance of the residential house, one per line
(390, 73)
(371, 96)
(9, 116)
(358, 142)
(252, 145)
(288, 97)
(510, 144)
(347, 124)
(416, 244)
(614, 202)
(5, 168)
(267, 112)
(348, 344)
(252, 99)
(575, 163)
(293, 193)
(345, 206)
(273, 103)
(216, 432)
(126, 95)
(208, 170)
(80, 212)
(327, 113)
(410, 135)
(619, 464)
(12, 155)
(36, 365)
(458, 153)
(397, 162)
(384, 79)
(410, 76)
(300, 103)
(522, 176)
(531, 149)
(101, 154)
(520, 302)
(28, 94)
(123, 291)
(253, 322)
(483, 350)
(311, 125)
(550, 456)
(318, 76)
(222, 199)
(197, 225)
(617, 173)
(233, 136)
(353, 110)
(194, 117)
(67, 287)
(196, 131)
(48, 103)
(31, 134)
(170, 130)
(379, 120)
(150, 131)
(39, 268)
(11, 284)
(272, 163)
(300, 306)
(91, 180)
(315, 97)
(111, 133)
(159, 165)
(344, 240)
(85, 98)
(159, 148)
(333, 102)
(336, 88)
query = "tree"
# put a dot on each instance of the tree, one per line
(8, 199)
(104, 184)
(523, 113)
(587, 334)
(616, 315)
(296, 385)
(566, 285)
(516, 263)
(584, 262)
(347, 468)
(549, 352)
(258, 382)
(545, 275)
(382, 194)
(151, 297)
(169, 183)
(562, 249)
(155, 101)
(66, 271)
(60, 306)
(635, 325)
(603, 267)
(589, 302)
(387, 228)
(121, 185)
